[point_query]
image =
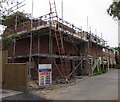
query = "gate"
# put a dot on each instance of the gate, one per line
(14, 75)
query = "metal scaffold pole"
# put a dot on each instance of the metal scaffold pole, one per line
(73, 65)
(16, 20)
(50, 40)
(31, 44)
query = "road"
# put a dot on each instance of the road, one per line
(23, 96)
(101, 87)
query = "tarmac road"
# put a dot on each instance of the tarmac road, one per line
(22, 96)
(101, 87)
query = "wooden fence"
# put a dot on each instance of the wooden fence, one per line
(14, 75)
(3, 61)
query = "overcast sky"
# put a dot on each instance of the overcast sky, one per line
(76, 12)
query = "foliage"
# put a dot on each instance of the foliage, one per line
(0, 44)
(118, 48)
(117, 58)
(117, 66)
(101, 70)
(114, 10)
(5, 1)
(11, 20)
(7, 42)
(4, 6)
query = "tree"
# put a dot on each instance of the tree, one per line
(4, 6)
(117, 57)
(114, 10)
(0, 44)
(10, 20)
(7, 43)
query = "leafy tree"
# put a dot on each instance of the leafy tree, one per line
(7, 43)
(117, 57)
(0, 44)
(114, 10)
(4, 6)
(10, 20)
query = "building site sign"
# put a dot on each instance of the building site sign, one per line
(45, 74)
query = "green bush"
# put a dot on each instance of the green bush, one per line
(114, 66)
(117, 66)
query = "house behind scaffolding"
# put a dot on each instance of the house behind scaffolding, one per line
(37, 43)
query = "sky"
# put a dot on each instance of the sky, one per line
(81, 13)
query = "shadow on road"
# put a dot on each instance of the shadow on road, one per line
(22, 96)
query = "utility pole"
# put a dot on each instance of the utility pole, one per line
(31, 44)
(30, 59)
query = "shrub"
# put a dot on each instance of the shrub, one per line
(117, 66)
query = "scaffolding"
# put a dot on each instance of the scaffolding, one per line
(44, 22)
(62, 30)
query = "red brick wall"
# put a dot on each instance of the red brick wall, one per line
(22, 48)
(43, 44)
(93, 50)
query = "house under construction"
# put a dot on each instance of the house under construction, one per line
(51, 40)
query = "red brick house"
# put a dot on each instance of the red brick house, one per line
(80, 46)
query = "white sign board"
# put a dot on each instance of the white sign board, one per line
(45, 74)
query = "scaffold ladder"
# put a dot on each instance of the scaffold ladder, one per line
(58, 37)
